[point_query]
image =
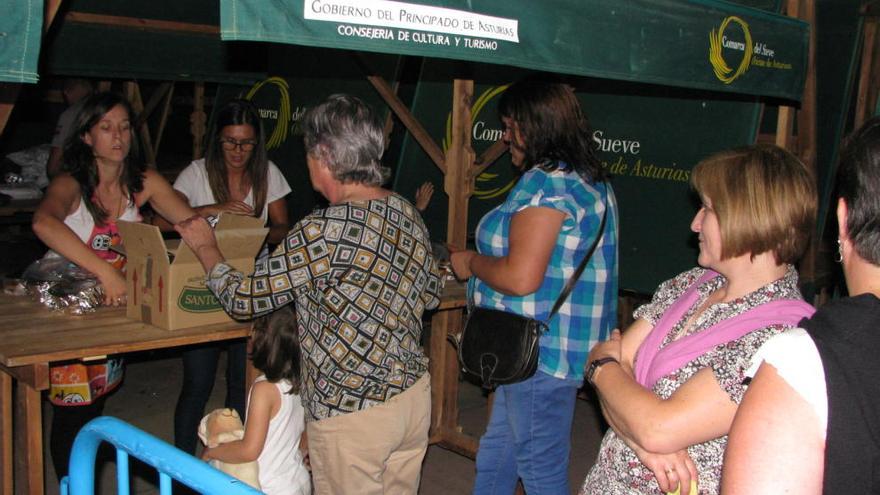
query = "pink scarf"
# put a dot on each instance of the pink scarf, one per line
(653, 363)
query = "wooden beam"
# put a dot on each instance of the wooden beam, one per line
(6, 411)
(197, 120)
(142, 24)
(163, 119)
(133, 93)
(153, 102)
(49, 14)
(458, 183)
(865, 88)
(488, 157)
(807, 127)
(388, 128)
(409, 121)
(8, 97)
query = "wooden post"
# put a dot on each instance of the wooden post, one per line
(197, 120)
(807, 129)
(458, 183)
(805, 146)
(163, 119)
(29, 440)
(867, 88)
(133, 93)
(8, 96)
(6, 434)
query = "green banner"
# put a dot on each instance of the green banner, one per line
(20, 34)
(649, 138)
(705, 44)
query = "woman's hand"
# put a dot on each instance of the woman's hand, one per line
(206, 454)
(237, 207)
(423, 195)
(461, 263)
(113, 283)
(671, 470)
(609, 348)
(199, 236)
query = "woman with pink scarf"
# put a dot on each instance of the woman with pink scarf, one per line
(669, 386)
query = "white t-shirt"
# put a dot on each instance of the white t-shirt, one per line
(193, 182)
(282, 471)
(795, 357)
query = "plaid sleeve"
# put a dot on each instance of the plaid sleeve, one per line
(541, 189)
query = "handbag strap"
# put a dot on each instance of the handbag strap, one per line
(569, 284)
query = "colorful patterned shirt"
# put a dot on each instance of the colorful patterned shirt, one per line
(361, 274)
(618, 470)
(590, 312)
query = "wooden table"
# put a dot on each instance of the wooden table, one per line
(32, 336)
(444, 370)
(19, 207)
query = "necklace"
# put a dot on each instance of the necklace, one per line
(118, 207)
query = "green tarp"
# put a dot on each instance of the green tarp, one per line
(21, 25)
(704, 44)
(649, 139)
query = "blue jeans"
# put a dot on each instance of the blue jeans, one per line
(199, 369)
(528, 437)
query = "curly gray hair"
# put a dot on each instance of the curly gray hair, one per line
(346, 135)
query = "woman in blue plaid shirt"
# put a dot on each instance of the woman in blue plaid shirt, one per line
(526, 249)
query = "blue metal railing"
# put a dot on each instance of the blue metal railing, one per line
(171, 462)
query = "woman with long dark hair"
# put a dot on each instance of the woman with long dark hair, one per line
(235, 176)
(527, 248)
(104, 181)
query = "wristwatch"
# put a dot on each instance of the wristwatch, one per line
(596, 364)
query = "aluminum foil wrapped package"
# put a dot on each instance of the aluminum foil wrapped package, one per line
(13, 178)
(61, 285)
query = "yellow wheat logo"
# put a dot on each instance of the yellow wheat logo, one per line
(279, 134)
(718, 40)
(485, 178)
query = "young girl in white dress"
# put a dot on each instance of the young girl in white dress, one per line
(275, 423)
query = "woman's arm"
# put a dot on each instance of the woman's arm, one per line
(264, 404)
(278, 222)
(533, 234)
(61, 199)
(165, 200)
(776, 443)
(235, 290)
(697, 412)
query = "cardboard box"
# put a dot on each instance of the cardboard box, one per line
(166, 282)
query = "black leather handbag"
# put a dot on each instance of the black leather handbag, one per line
(500, 348)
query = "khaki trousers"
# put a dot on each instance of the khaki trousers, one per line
(375, 451)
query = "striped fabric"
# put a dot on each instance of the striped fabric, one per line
(590, 311)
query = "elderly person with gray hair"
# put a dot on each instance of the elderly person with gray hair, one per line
(361, 274)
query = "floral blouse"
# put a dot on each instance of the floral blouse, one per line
(361, 274)
(618, 470)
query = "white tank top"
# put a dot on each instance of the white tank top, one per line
(99, 238)
(281, 465)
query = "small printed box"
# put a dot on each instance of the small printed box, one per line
(165, 280)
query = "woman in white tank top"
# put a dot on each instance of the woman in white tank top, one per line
(104, 181)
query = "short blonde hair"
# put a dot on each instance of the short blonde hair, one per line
(765, 199)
